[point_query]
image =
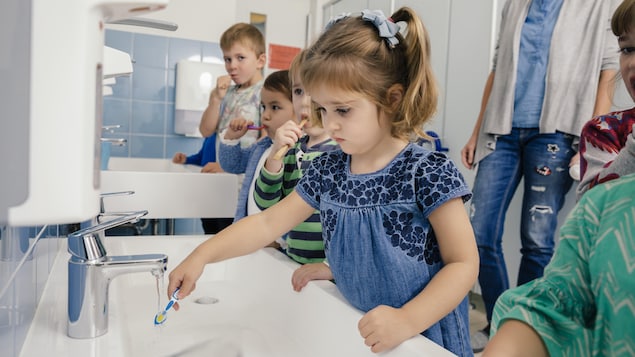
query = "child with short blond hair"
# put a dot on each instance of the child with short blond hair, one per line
(243, 47)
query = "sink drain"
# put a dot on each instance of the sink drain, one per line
(206, 300)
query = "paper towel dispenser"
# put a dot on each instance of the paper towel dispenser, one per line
(194, 83)
(116, 63)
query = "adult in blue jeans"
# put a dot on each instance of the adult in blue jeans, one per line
(551, 73)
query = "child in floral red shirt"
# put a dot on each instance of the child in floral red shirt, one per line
(607, 144)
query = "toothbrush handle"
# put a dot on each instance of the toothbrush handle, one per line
(169, 305)
(173, 299)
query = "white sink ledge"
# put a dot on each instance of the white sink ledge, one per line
(168, 190)
(257, 313)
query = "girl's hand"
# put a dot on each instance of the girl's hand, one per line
(185, 276)
(575, 159)
(286, 135)
(467, 153)
(237, 128)
(385, 327)
(308, 272)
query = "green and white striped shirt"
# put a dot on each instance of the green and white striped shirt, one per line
(304, 242)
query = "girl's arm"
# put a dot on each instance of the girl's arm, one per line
(516, 338)
(557, 309)
(385, 327)
(272, 187)
(232, 158)
(604, 97)
(246, 236)
(268, 190)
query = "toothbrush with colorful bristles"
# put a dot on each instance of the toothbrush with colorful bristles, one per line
(163, 315)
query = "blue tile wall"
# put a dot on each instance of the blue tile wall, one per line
(22, 280)
(143, 103)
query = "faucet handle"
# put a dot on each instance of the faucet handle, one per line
(110, 128)
(86, 244)
(117, 193)
(87, 247)
(114, 141)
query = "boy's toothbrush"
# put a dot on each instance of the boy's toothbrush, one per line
(255, 127)
(163, 315)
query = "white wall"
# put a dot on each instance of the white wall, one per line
(469, 58)
(205, 20)
(201, 20)
(286, 19)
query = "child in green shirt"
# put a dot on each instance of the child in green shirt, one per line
(279, 176)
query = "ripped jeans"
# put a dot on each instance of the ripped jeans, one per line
(543, 161)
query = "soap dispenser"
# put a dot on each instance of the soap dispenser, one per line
(51, 116)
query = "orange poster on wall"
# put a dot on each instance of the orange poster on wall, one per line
(280, 56)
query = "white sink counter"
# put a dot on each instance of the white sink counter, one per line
(149, 165)
(255, 312)
(168, 190)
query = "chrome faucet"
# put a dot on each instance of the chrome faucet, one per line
(102, 208)
(90, 271)
(114, 141)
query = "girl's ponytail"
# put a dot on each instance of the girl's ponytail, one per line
(420, 99)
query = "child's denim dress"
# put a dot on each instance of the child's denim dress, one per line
(378, 240)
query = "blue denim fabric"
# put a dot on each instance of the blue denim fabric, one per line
(378, 240)
(533, 59)
(542, 160)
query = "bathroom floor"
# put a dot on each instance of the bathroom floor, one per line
(477, 315)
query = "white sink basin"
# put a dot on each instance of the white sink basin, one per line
(168, 190)
(149, 165)
(256, 312)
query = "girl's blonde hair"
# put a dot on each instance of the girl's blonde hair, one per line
(351, 56)
(294, 72)
(623, 18)
(296, 62)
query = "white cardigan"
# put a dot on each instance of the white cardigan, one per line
(582, 46)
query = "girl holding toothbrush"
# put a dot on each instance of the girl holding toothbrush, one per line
(396, 233)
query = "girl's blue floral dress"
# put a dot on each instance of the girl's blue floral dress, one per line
(378, 240)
